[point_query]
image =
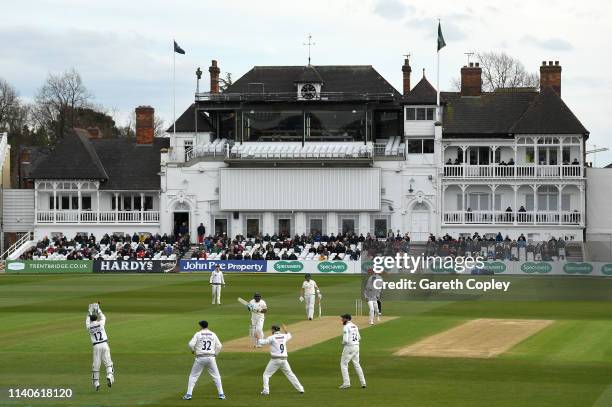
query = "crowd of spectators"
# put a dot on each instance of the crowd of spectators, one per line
(109, 247)
(279, 247)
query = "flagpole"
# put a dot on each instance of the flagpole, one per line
(173, 89)
(438, 81)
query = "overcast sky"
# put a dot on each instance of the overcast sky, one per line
(123, 49)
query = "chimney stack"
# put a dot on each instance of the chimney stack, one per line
(145, 124)
(214, 76)
(471, 80)
(406, 70)
(550, 75)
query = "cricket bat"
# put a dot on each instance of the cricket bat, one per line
(243, 302)
(319, 308)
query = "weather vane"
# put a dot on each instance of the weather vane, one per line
(309, 43)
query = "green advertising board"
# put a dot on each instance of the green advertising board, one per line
(292, 266)
(332, 267)
(495, 267)
(49, 266)
(606, 269)
(578, 268)
(531, 267)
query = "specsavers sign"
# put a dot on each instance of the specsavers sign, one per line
(314, 267)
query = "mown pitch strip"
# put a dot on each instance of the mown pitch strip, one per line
(479, 338)
(305, 334)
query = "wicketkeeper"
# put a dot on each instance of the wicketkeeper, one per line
(95, 323)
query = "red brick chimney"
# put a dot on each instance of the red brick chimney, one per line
(550, 75)
(471, 80)
(145, 124)
(406, 70)
(214, 76)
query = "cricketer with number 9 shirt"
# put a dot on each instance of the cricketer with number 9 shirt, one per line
(278, 359)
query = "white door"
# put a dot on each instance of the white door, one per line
(419, 230)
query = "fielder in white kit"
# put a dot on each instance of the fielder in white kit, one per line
(95, 323)
(372, 295)
(205, 345)
(278, 359)
(216, 281)
(308, 294)
(350, 353)
(258, 308)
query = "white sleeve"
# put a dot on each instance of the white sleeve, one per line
(345, 335)
(102, 319)
(222, 278)
(211, 278)
(288, 336)
(263, 305)
(218, 345)
(192, 342)
(87, 322)
(265, 341)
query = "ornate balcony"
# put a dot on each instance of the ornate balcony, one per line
(513, 218)
(89, 217)
(464, 171)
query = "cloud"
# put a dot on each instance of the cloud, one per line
(392, 9)
(553, 44)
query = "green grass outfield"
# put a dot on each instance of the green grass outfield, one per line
(43, 343)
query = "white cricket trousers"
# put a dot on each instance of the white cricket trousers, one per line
(351, 353)
(283, 365)
(309, 301)
(201, 362)
(256, 330)
(216, 293)
(101, 353)
(373, 305)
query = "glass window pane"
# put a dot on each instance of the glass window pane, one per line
(86, 202)
(284, 227)
(148, 203)
(421, 113)
(410, 113)
(337, 125)
(415, 146)
(65, 203)
(430, 113)
(380, 228)
(137, 203)
(348, 226)
(275, 126)
(127, 203)
(428, 146)
(220, 226)
(316, 226)
(252, 227)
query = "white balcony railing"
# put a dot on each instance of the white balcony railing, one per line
(513, 171)
(97, 217)
(514, 218)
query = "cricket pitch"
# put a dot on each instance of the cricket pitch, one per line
(479, 338)
(304, 334)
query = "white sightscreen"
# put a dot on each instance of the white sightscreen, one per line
(299, 189)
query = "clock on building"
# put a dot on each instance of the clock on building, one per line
(308, 91)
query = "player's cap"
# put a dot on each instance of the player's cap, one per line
(275, 328)
(307, 275)
(203, 324)
(346, 316)
(256, 295)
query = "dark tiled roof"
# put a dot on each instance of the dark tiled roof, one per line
(423, 94)
(488, 115)
(336, 78)
(548, 114)
(130, 166)
(119, 163)
(186, 122)
(506, 112)
(309, 74)
(73, 157)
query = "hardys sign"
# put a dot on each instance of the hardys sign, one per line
(133, 266)
(244, 266)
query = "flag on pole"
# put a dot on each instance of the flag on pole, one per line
(441, 43)
(180, 50)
